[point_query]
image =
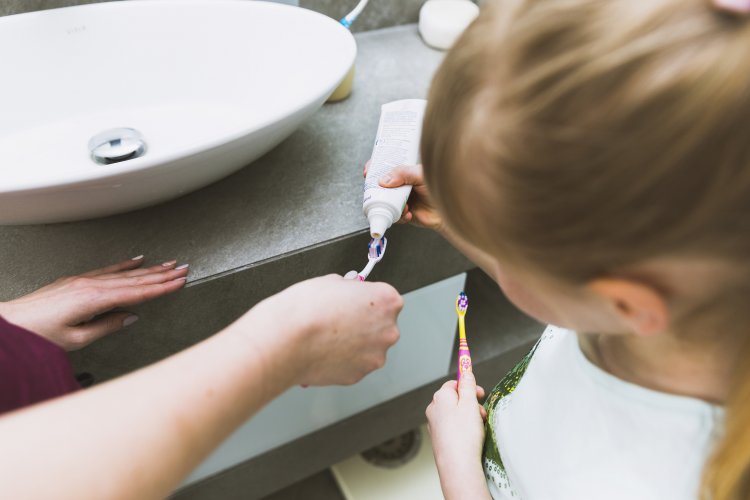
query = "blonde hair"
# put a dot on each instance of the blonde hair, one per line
(582, 137)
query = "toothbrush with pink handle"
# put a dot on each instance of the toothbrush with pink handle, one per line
(464, 356)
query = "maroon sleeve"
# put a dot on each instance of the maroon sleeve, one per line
(32, 368)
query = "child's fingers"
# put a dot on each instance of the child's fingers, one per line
(406, 215)
(446, 393)
(467, 388)
(405, 211)
(401, 175)
(483, 412)
(450, 385)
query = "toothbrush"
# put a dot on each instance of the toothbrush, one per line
(348, 19)
(464, 356)
(375, 252)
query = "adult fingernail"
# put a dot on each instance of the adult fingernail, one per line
(137, 258)
(386, 179)
(169, 263)
(183, 266)
(129, 320)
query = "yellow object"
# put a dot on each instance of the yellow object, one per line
(461, 321)
(464, 356)
(343, 90)
(461, 327)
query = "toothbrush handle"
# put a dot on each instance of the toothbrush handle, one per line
(364, 273)
(464, 359)
(464, 356)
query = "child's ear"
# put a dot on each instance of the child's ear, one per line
(640, 306)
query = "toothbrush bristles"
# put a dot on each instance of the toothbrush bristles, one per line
(463, 302)
(376, 247)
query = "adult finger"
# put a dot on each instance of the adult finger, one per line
(139, 271)
(132, 295)
(86, 333)
(120, 266)
(146, 279)
(480, 392)
(482, 412)
(404, 174)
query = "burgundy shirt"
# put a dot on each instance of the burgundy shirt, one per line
(32, 368)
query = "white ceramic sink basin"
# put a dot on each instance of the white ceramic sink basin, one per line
(209, 85)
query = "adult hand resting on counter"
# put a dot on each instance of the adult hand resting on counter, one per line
(139, 435)
(74, 311)
(37, 329)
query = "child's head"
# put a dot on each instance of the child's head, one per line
(601, 149)
(581, 140)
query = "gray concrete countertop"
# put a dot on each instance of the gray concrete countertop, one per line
(306, 192)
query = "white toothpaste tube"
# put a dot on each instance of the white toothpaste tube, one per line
(397, 143)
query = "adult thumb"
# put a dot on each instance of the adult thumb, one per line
(105, 324)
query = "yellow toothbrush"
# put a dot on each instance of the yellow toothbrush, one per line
(464, 356)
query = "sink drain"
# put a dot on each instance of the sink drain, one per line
(116, 145)
(394, 452)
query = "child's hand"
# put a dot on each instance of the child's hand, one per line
(456, 423)
(419, 208)
(72, 312)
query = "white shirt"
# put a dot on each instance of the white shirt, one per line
(571, 431)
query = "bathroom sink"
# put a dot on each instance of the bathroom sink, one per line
(110, 107)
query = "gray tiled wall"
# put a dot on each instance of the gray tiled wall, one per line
(378, 14)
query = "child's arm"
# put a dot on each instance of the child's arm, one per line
(421, 211)
(456, 423)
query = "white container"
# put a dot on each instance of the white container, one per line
(397, 143)
(441, 22)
